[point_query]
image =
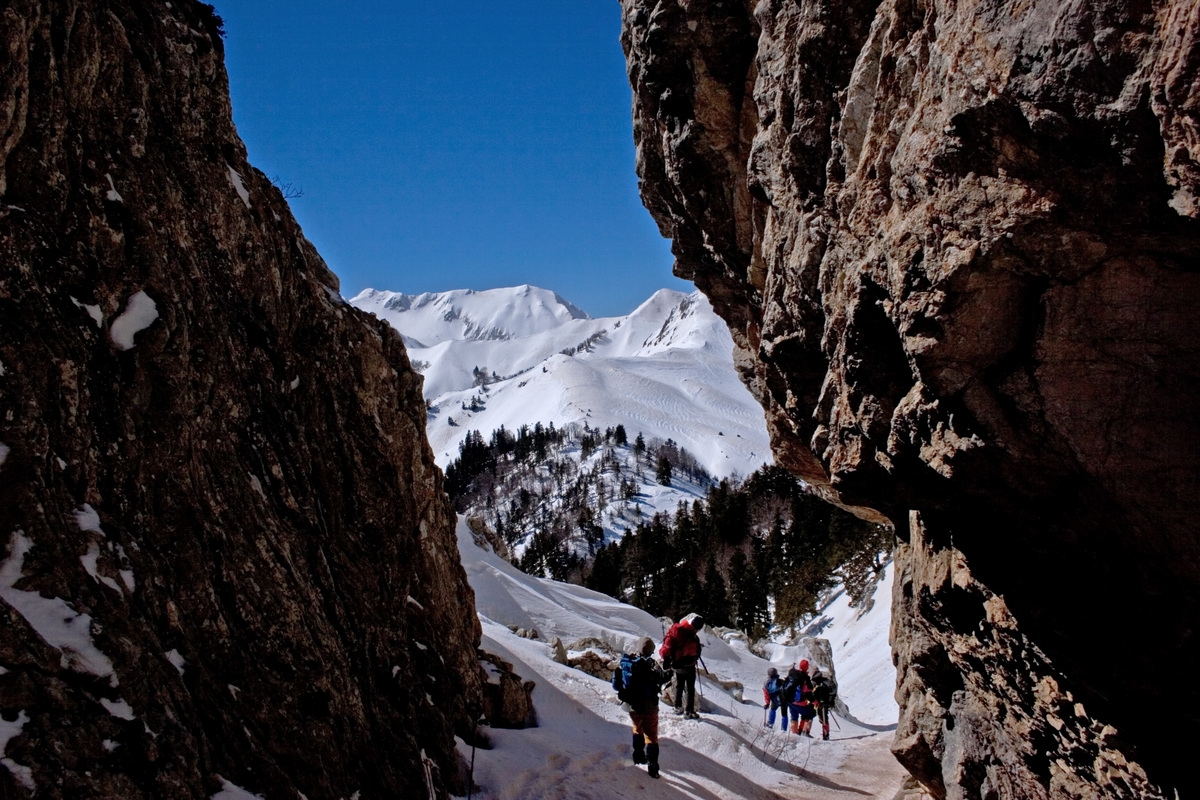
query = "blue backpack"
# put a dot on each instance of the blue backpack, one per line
(622, 679)
(774, 687)
(637, 680)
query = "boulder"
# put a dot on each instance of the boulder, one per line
(507, 699)
(596, 664)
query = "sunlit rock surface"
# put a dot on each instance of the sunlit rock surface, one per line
(957, 246)
(225, 553)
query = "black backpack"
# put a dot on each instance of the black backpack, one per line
(824, 691)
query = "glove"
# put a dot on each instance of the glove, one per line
(766, 706)
(667, 662)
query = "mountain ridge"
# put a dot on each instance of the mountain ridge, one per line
(665, 369)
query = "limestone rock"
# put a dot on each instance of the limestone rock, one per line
(524, 633)
(559, 651)
(486, 538)
(595, 664)
(957, 245)
(225, 546)
(507, 699)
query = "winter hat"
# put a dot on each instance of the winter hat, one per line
(816, 673)
(697, 622)
(772, 673)
(646, 646)
(803, 664)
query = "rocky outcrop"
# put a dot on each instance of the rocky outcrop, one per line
(225, 552)
(507, 698)
(957, 246)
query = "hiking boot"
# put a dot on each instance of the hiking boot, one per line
(652, 753)
(652, 770)
(679, 711)
(825, 736)
(691, 715)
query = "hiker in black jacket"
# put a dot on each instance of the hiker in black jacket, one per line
(638, 681)
(824, 695)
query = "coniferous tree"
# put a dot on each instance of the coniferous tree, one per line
(716, 595)
(605, 573)
(663, 473)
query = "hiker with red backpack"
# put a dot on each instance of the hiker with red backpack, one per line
(798, 694)
(638, 680)
(680, 651)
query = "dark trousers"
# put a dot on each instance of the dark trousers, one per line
(685, 681)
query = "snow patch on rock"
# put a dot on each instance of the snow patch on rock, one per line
(238, 186)
(140, 313)
(61, 626)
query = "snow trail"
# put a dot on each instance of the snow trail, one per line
(581, 749)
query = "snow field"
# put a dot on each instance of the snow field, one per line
(581, 747)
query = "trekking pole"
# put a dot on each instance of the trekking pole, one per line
(471, 773)
(835, 722)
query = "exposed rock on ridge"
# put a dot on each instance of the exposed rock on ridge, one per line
(957, 246)
(216, 466)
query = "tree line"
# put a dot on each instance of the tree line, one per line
(751, 554)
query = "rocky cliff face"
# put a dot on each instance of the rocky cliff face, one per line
(957, 245)
(225, 553)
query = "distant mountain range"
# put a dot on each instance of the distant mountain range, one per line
(523, 355)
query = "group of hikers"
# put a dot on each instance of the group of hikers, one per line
(639, 680)
(801, 696)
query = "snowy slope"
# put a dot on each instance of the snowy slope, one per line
(861, 650)
(665, 370)
(581, 747)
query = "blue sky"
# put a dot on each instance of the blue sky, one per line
(439, 146)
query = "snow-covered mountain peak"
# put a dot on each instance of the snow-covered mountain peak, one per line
(525, 355)
(673, 319)
(431, 318)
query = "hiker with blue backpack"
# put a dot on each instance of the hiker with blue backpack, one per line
(638, 681)
(773, 699)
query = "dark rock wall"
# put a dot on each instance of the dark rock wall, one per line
(269, 590)
(957, 246)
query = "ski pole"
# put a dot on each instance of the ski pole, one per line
(471, 774)
(835, 722)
